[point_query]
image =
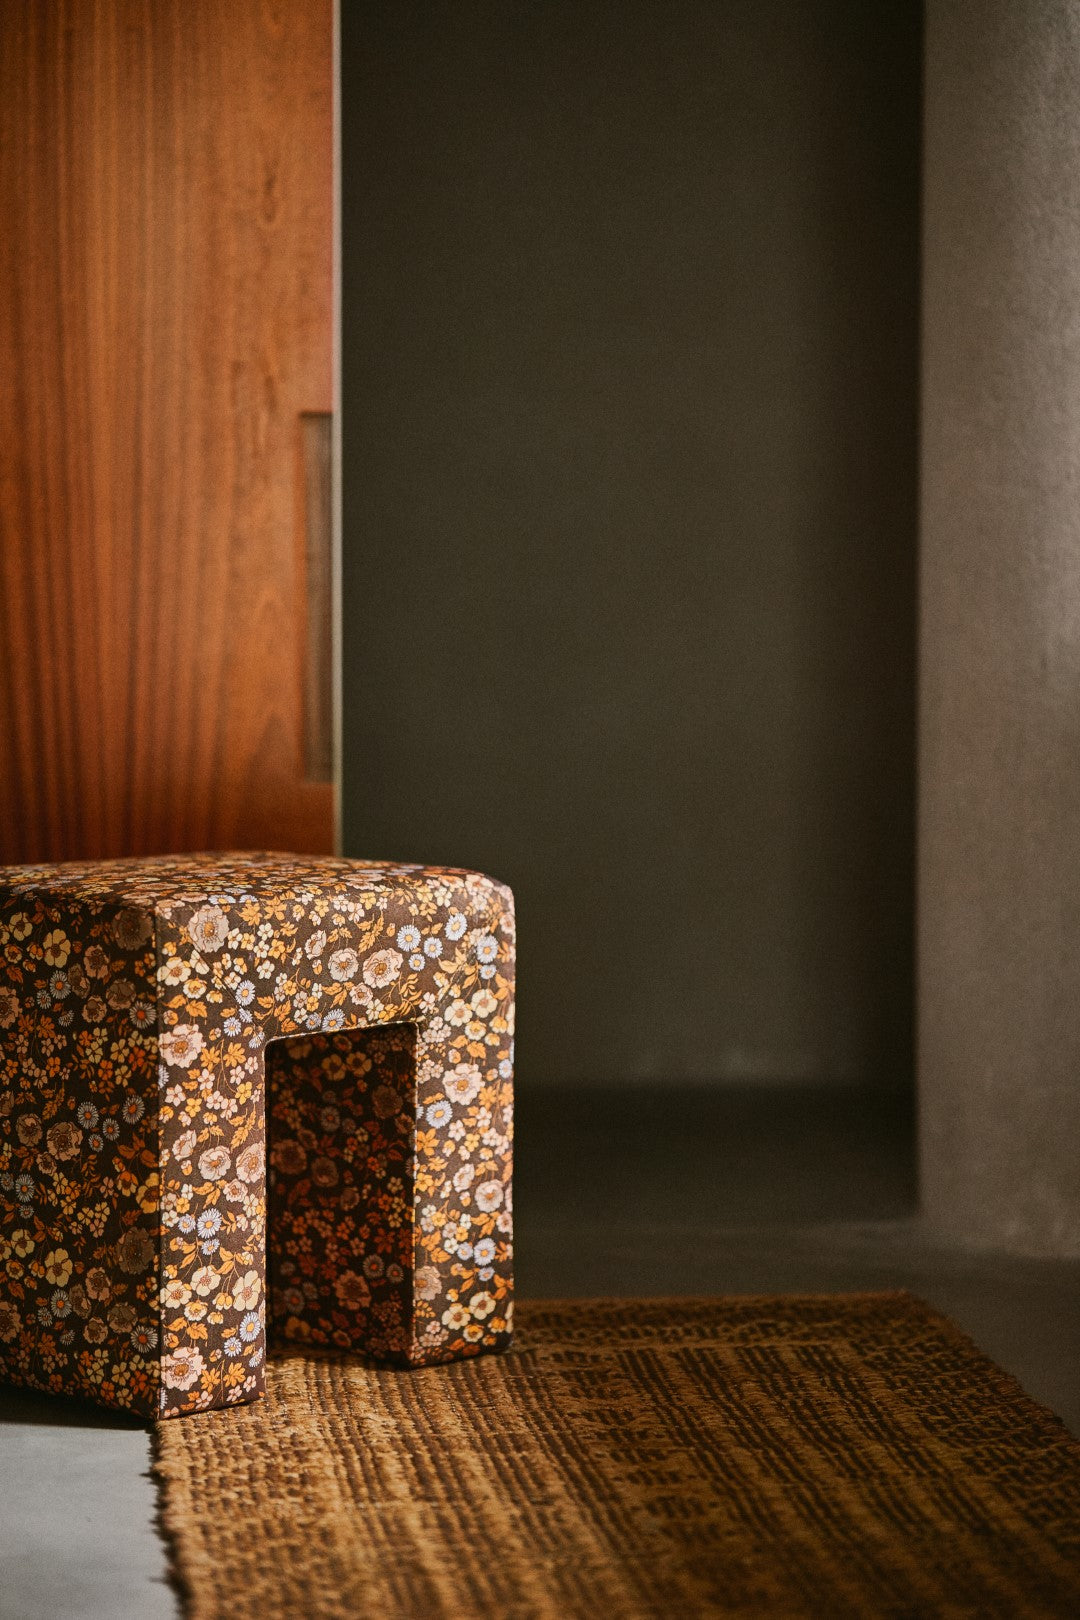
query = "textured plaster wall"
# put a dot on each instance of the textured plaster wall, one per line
(999, 829)
(630, 382)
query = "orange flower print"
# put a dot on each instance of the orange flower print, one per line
(352, 1291)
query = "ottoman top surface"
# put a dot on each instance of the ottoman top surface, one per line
(162, 880)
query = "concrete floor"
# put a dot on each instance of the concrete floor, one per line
(680, 1191)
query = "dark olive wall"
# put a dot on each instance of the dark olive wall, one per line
(629, 374)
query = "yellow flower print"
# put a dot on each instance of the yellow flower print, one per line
(148, 1194)
(246, 1291)
(57, 948)
(57, 1267)
(174, 970)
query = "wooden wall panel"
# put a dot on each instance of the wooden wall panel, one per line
(165, 319)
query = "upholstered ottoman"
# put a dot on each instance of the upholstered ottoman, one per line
(163, 1024)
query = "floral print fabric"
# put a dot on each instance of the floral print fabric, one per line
(341, 1129)
(137, 1000)
(79, 1172)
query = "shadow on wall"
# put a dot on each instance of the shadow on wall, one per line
(630, 374)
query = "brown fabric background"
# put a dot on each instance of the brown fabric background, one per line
(839, 1456)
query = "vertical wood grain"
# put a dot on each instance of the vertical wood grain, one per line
(165, 260)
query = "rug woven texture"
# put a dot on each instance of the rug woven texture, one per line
(808, 1456)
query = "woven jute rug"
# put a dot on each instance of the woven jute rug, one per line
(829, 1456)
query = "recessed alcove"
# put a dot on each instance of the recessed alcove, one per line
(630, 375)
(341, 1131)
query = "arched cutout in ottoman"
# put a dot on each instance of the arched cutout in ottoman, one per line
(138, 1002)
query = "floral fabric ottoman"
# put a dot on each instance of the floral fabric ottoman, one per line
(156, 1016)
